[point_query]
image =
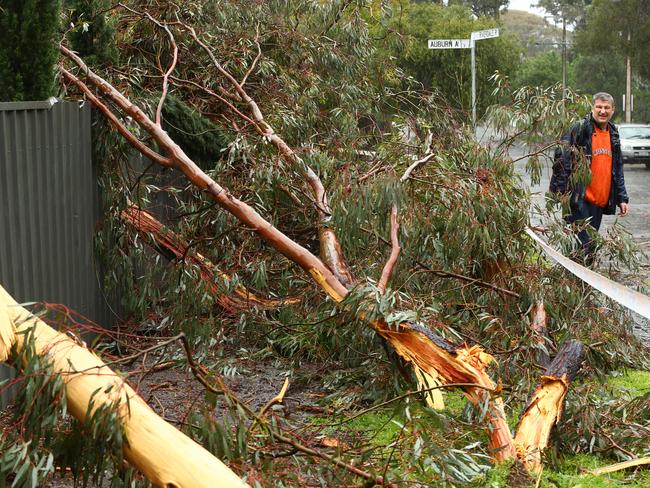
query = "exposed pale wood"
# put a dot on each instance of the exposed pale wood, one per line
(545, 407)
(451, 364)
(166, 456)
(632, 463)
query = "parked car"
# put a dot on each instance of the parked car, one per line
(635, 143)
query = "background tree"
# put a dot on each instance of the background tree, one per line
(92, 34)
(605, 43)
(543, 70)
(483, 8)
(448, 71)
(28, 50)
(535, 33)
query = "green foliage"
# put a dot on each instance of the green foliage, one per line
(201, 140)
(92, 31)
(28, 51)
(543, 71)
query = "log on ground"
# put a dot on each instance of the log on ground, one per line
(166, 456)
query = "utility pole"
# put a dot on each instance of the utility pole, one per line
(628, 84)
(564, 93)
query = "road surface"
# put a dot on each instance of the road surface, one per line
(637, 223)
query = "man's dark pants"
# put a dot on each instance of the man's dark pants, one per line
(583, 210)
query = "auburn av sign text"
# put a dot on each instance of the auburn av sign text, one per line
(449, 44)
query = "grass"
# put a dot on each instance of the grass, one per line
(382, 427)
(631, 384)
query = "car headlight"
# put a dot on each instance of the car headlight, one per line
(626, 148)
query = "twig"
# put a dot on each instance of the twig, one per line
(536, 152)
(276, 399)
(410, 169)
(411, 393)
(394, 253)
(473, 281)
(257, 58)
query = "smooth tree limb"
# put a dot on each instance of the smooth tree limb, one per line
(431, 356)
(541, 337)
(387, 272)
(331, 252)
(166, 456)
(165, 241)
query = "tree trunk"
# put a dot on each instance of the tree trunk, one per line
(545, 407)
(166, 456)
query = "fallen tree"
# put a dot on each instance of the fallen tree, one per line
(167, 457)
(431, 356)
(435, 360)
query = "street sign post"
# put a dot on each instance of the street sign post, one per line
(477, 36)
(466, 44)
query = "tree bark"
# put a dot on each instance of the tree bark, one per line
(166, 456)
(540, 333)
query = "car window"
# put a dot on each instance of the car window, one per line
(634, 132)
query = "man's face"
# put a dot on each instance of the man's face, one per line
(602, 112)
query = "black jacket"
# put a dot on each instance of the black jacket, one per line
(579, 140)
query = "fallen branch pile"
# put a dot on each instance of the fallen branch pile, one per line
(435, 360)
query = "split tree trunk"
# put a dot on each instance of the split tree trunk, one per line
(545, 407)
(166, 456)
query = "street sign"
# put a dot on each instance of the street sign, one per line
(484, 34)
(449, 43)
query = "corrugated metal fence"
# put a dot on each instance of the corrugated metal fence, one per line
(48, 206)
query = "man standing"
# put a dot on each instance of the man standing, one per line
(596, 140)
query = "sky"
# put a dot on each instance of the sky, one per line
(525, 5)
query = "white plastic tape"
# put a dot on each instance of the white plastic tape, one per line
(627, 297)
